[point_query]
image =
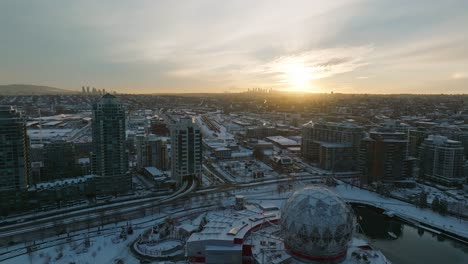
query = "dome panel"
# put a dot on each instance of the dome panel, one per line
(316, 224)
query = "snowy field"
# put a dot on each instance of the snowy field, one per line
(106, 246)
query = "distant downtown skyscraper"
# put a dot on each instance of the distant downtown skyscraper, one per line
(110, 157)
(14, 158)
(186, 150)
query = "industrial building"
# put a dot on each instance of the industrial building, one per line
(282, 142)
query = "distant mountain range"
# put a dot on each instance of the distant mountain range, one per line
(28, 89)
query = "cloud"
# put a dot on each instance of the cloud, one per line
(459, 75)
(320, 63)
(244, 70)
(211, 45)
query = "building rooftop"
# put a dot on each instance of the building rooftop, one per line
(154, 171)
(232, 225)
(46, 134)
(334, 145)
(283, 141)
(62, 182)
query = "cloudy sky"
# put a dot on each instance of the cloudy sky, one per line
(350, 46)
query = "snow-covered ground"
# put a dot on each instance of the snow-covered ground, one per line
(107, 248)
(101, 249)
(432, 193)
(242, 171)
(208, 133)
(405, 210)
(400, 208)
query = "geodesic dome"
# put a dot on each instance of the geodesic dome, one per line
(316, 225)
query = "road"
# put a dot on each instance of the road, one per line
(71, 220)
(127, 206)
(85, 218)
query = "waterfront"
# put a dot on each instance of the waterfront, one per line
(405, 244)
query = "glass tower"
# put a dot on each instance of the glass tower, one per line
(109, 157)
(14, 159)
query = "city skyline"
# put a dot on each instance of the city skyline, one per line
(254, 177)
(204, 46)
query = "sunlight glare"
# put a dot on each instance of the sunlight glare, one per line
(297, 76)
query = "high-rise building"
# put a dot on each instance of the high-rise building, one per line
(59, 161)
(110, 157)
(416, 137)
(14, 159)
(453, 132)
(333, 146)
(186, 150)
(151, 151)
(462, 136)
(383, 157)
(441, 160)
(464, 141)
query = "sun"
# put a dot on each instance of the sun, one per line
(298, 77)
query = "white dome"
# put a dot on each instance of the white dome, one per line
(317, 225)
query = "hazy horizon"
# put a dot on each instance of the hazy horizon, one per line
(208, 46)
